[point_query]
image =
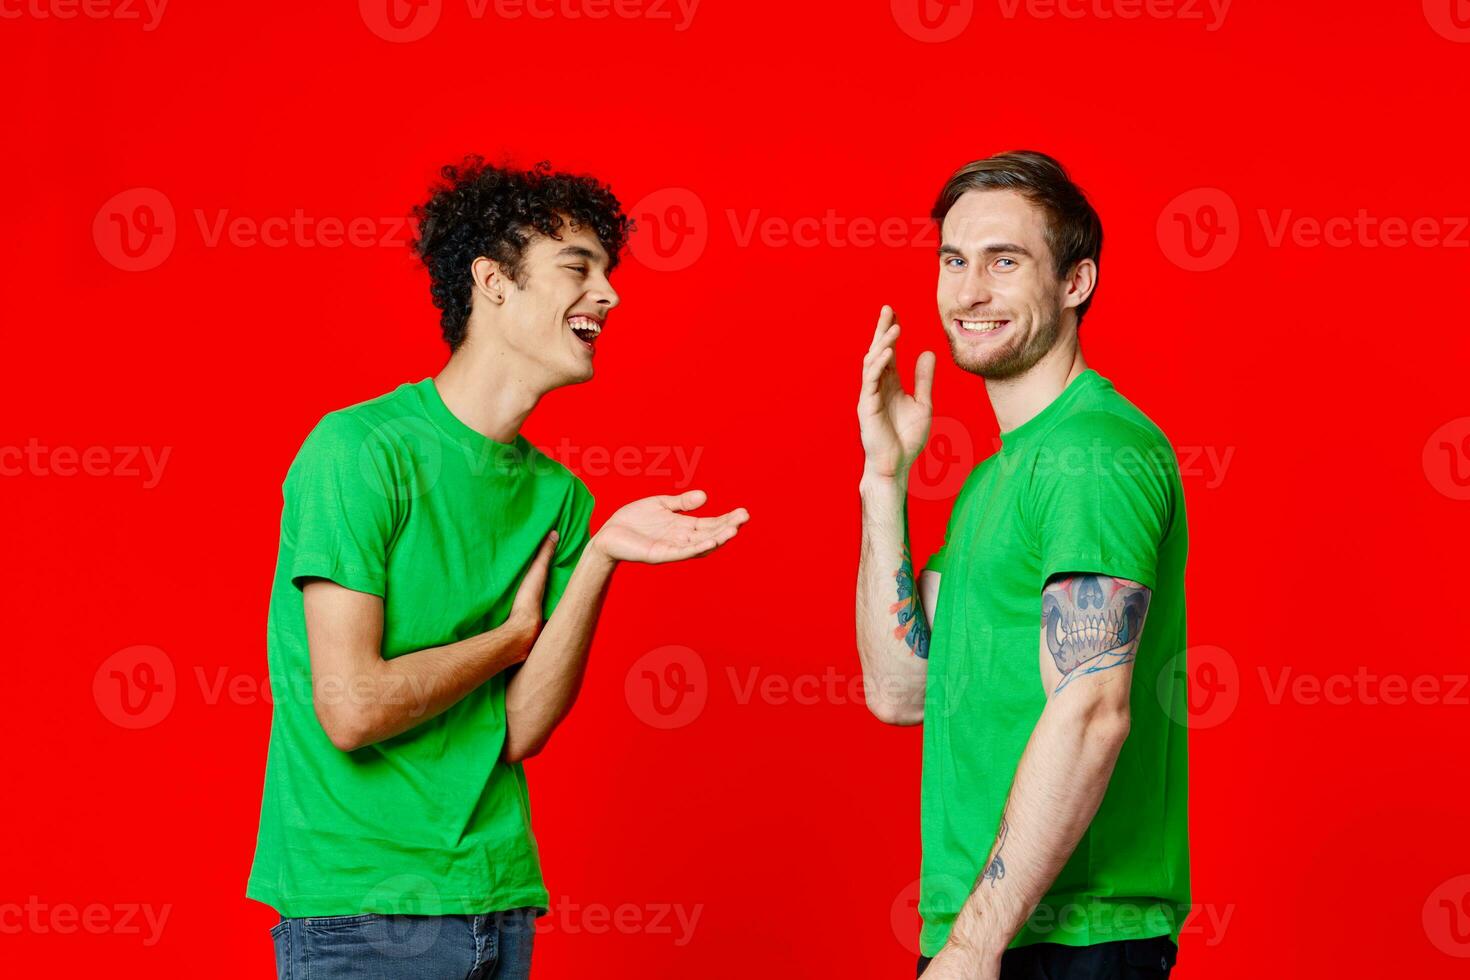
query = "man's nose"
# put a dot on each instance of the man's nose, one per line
(975, 290)
(606, 296)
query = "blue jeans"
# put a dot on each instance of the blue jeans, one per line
(493, 946)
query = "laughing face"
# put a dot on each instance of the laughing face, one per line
(560, 306)
(999, 295)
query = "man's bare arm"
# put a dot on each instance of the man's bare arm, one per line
(1089, 637)
(894, 610)
(892, 621)
(653, 530)
(361, 698)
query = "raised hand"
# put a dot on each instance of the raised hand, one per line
(525, 609)
(656, 529)
(894, 424)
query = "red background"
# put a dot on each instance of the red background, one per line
(1325, 834)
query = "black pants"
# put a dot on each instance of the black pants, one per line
(1128, 959)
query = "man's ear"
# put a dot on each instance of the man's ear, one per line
(1080, 284)
(489, 280)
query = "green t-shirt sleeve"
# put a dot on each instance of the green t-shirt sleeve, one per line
(1100, 498)
(339, 506)
(936, 561)
(573, 534)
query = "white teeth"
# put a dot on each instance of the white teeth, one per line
(584, 325)
(981, 326)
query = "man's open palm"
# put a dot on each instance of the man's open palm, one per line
(655, 529)
(894, 423)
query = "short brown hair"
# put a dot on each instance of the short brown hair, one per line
(1073, 229)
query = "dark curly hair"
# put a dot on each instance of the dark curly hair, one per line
(482, 209)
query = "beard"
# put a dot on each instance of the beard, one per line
(1015, 357)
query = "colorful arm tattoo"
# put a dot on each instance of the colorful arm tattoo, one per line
(913, 625)
(1092, 623)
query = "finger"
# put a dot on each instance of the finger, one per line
(702, 545)
(885, 336)
(709, 525)
(924, 379)
(885, 319)
(534, 583)
(688, 500)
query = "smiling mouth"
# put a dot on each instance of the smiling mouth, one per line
(979, 328)
(586, 328)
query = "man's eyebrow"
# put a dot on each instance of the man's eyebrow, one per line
(581, 252)
(994, 249)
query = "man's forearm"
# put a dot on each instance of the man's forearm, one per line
(892, 627)
(1059, 784)
(542, 691)
(397, 694)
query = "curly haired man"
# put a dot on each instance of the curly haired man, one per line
(435, 594)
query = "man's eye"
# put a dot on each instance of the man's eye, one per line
(1006, 263)
(579, 269)
(954, 261)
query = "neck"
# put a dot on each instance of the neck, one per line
(488, 388)
(1020, 399)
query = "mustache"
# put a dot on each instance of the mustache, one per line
(967, 315)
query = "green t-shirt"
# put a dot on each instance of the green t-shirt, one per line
(399, 498)
(1089, 484)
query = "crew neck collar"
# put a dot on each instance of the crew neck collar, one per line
(1037, 423)
(452, 426)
